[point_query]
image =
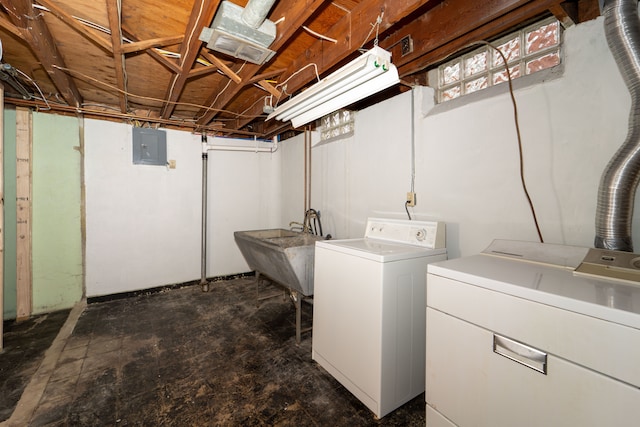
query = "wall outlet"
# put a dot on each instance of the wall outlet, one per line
(411, 199)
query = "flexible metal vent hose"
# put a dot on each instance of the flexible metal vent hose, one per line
(614, 211)
(256, 11)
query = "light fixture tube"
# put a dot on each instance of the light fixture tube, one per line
(333, 85)
(359, 92)
(364, 76)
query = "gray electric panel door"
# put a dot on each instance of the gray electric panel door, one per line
(149, 147)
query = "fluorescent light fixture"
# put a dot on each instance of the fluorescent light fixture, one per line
(364, 76)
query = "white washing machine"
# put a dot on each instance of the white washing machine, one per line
(533, 334)
(369, 312)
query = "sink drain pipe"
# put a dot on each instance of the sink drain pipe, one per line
(203, 251)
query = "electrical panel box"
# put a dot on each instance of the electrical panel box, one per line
(149, 147)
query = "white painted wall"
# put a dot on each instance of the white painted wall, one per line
(467, 158)
(292, 178)
(144, 222)
(244, 194)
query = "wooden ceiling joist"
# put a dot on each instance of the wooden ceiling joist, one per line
(266, 76)
(565, 12)
(295, 14)
(118, 56)
(151, 43)
(201, 16)
(367, 14)
(222, 66)
(37, 35)
(196, 86)
(11, 28)
(153, 53)
(77, 26)
(350, 38)
(202, 71)
(488, 20)
(269, 88)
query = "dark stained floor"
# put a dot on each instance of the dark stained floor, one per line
(24, 346)
(187, 358)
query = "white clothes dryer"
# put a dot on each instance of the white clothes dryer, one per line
(533, 334)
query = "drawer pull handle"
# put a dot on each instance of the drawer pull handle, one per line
(521, 353)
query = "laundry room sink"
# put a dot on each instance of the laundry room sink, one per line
(284, 256)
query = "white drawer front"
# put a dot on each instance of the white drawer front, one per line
(471, 385)
(606, 347)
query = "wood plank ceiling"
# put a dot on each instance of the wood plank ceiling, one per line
(142, 61)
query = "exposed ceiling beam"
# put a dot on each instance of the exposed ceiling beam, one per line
(451, 20)
(152, 52)
(151, 43)
(166, 62)
(255, 109)
(269, 88)
(202, 71)
(118, 56)
(201, 16)
(11, 28)
(295, 14)
(77, 26)
(346, 5)
(37, 35)
(222, 66)
(111, 115)
(352, 32)
(566, 12)
(266, 76)
(453, 26)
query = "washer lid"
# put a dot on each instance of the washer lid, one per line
(378, 250)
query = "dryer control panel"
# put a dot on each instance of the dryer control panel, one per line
(427, 234)
(613, 265)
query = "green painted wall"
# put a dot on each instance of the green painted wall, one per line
(56, 214)
(9, 309)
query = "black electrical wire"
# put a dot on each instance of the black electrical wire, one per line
(517, 124)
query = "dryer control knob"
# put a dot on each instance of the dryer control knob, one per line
(421, 235)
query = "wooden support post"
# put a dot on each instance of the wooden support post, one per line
(23, 214)
(1, 217)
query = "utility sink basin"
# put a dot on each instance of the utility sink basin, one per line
(284, 256)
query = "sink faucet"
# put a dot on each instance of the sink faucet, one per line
(311, 223)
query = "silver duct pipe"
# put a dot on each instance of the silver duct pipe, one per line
(614, 211)
(255, 12)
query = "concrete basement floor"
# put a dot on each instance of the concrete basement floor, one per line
(182, 357)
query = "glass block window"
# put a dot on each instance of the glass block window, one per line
(337, 124)
(527, 51)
